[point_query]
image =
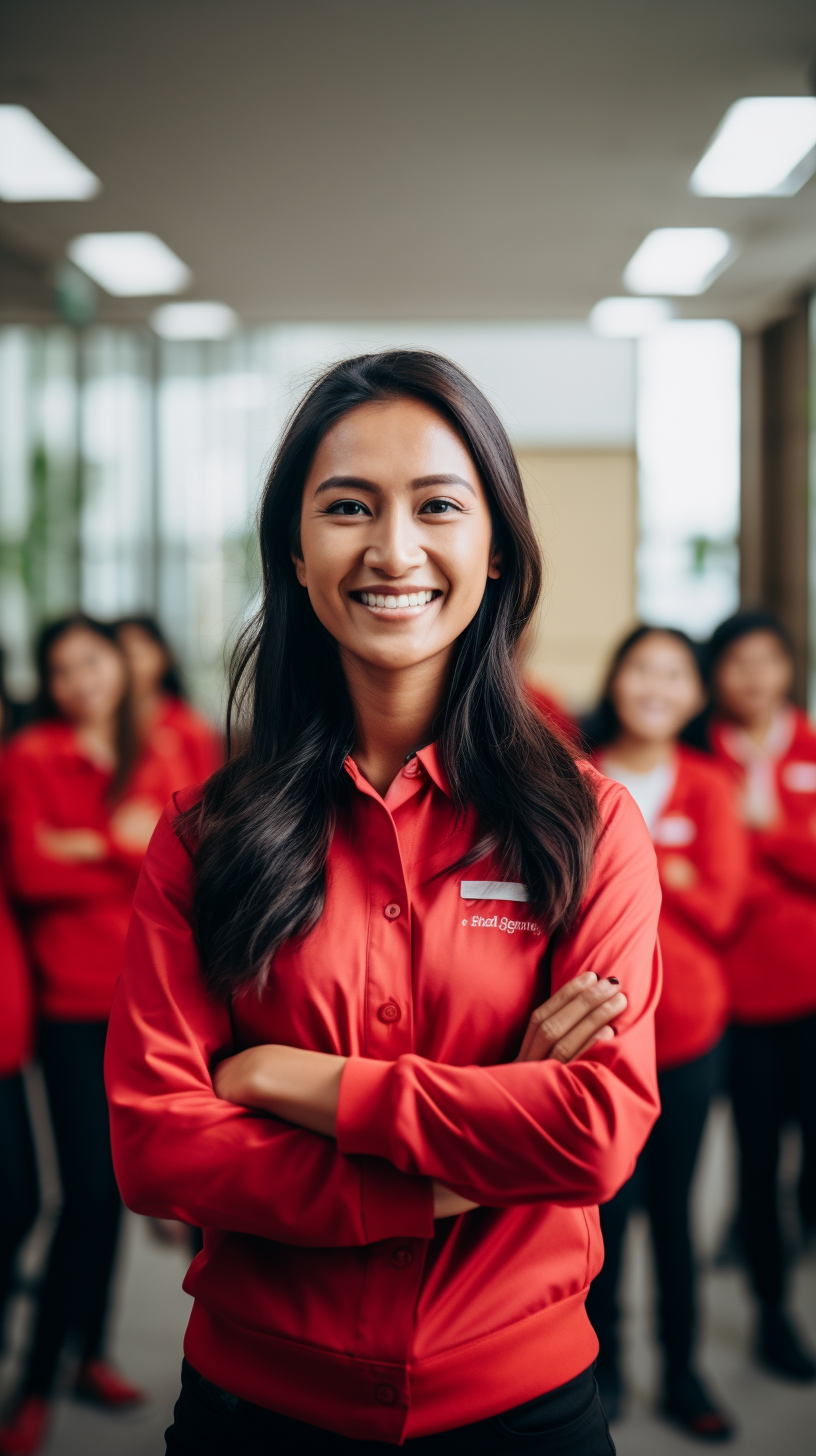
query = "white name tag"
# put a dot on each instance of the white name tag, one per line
(492, 890)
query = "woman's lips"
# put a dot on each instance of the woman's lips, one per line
(395, 601)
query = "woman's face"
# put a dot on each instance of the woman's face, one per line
(657, 689)
(395, 534)
(753, 678)
(87, 677)
(147, 660)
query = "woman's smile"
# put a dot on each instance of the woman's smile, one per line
(397, 606)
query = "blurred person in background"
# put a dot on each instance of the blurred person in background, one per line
(79, 799)
(769, 747)
(653, 689)
(19, 1184)
(160, 704)
(400, 1248)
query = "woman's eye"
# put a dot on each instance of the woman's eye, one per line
(347, 508)
(439, 507)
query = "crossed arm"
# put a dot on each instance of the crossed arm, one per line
(303, 1087)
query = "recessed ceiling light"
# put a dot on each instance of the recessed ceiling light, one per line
(194, 321)
(35, 166)
(679, 260)
(765, 146)
(131, 265)
(629, 318)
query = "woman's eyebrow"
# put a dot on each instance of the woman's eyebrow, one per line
(424, 480)
(348, 482)
(358, 482)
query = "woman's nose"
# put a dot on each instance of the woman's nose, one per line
(395, 546)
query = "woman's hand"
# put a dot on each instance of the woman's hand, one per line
(299, 1086)
(447, 1204)
(133, 823)
(678, 873)
(570, 1021)
(71, 846)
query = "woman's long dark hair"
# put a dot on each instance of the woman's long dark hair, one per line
(602, 726)
(263, 829)
(127, 745)
(172, 682)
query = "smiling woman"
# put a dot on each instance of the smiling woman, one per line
(391, 1119)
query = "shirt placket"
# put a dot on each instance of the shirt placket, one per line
(394, 1266)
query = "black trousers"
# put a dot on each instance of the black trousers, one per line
(661, 1183)
(207, 1421)
(773, 1075)
(19, 1185)
(74, 1292)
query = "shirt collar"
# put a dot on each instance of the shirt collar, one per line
(428, 757)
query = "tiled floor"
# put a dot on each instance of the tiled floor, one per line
(775, 1419)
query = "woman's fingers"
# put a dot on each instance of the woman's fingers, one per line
(594, 1027)
(562, 1029)
(555, 1004)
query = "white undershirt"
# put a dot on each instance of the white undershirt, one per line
(651, 791)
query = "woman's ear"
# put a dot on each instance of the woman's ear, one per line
(300, 568)
(494, 565)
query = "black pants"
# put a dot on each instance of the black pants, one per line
(661, 1183)
(74, 1293)
(19, 1185)
(207, 1421)
(773, 1074)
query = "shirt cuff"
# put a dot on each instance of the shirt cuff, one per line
(363, 1119)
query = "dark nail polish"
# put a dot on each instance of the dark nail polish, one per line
(613, 980)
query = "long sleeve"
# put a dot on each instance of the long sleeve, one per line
(791, 852)
(182, 1152)
(33, 876)
(712, 905)
(536, 1131)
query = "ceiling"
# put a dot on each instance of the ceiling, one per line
(377, 159)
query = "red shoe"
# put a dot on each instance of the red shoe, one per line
(100, 1384)
(24, 1434)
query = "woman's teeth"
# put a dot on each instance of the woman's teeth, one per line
(405, 599)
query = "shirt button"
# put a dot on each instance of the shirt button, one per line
(389, 1012)
(392, 910)
(401, 1258)
(386, 1394)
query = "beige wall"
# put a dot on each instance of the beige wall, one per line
(583, 503)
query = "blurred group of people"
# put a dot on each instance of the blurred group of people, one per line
(83, 780)
(723, 768)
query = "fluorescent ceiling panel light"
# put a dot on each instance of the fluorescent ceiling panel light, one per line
(131, 265)
(765, 146)
(35, 166)
(678, 260)
(629, 318)
(194, 321)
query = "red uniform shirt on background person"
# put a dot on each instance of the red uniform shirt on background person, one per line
(699, 823)
(74, 915)
(16, 1000)
(185, 734)
(771, 961)
(325, 1291)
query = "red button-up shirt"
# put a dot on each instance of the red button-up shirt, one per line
(699, 823)
(771, 961)
(74, 915)
(325, 1290)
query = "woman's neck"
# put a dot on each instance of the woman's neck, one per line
(641, 755)
(97, 740)
(147, 708)
(395, 711)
